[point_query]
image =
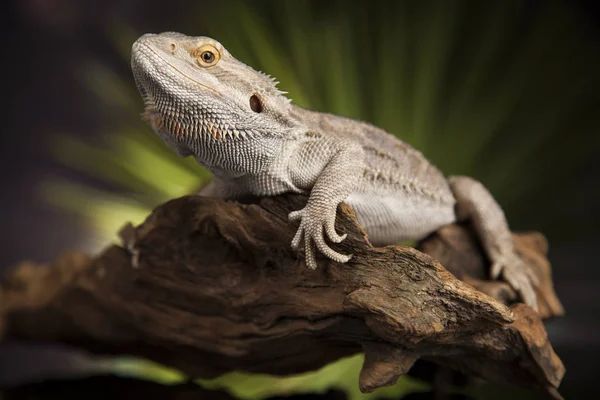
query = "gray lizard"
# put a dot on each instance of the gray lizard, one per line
(235, 122)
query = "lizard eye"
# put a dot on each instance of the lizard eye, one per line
(206, 55)
(256, 104)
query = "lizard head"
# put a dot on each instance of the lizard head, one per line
(196, 92)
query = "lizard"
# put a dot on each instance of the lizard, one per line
(236, 123)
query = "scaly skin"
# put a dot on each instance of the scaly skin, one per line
(234, 121)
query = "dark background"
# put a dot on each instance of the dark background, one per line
(46, 41)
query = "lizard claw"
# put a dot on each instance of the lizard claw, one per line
(519, 277)
(312, 231)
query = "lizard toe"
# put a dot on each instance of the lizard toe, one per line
(298, 238)
(518, 278)
(533, 278)
(525, 290)
(530, 297)
(328, 251)
(496, 269)
(312, 231)
(332, 234)
(296, 215)
(311, 260)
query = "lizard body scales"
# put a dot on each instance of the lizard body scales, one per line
(234, 121)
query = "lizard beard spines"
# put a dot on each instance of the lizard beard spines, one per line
(175, 125)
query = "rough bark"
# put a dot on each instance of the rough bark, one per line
(209, 286)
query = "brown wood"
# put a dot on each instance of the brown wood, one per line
(209, 286)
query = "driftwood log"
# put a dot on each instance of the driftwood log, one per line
(209, 286)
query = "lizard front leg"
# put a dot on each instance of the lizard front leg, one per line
(475, 203)
(332, 168)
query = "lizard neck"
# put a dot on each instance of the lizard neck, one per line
(234, 158)
(215, 144)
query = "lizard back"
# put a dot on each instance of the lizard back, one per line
(401, 196)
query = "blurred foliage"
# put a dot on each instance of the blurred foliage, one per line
(341, 375)
(504, 91)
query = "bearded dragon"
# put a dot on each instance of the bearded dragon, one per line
(235, 122)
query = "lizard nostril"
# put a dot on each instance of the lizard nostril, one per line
(172, 47)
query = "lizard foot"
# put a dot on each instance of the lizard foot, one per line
(312, 230)
(518, 275)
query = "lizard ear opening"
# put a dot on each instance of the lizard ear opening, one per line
(256, 104)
